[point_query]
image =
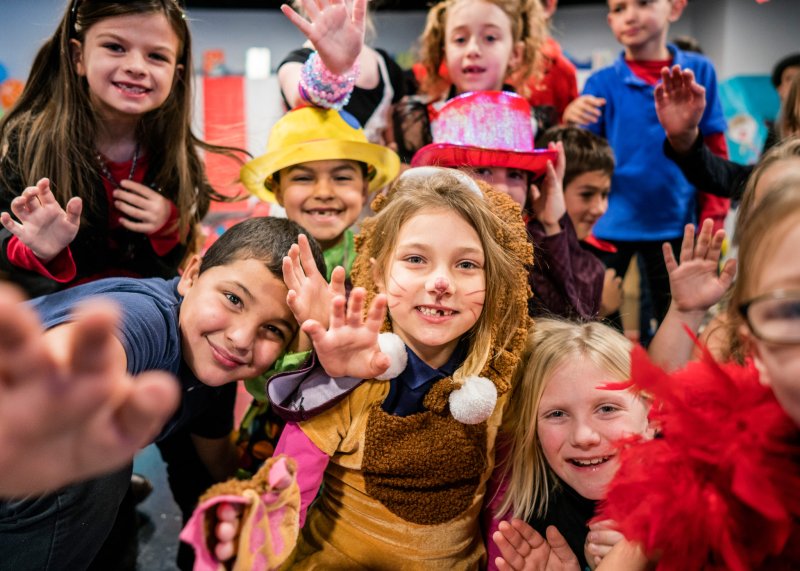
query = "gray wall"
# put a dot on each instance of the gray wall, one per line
(741, 36)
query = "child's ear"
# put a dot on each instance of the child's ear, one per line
(76, 53)
(676, 10)
(517, 55)
(190, 275)
(177, 75)
(277, 190)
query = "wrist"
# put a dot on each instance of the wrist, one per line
(682, 142)
(692, 317)
(322, 87)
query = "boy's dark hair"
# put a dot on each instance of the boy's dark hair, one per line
(585, 151)
(792, 60)
(263, 238)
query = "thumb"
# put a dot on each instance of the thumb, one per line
(380, 363)
(74, 210)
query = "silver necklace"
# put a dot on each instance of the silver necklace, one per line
(107, 173)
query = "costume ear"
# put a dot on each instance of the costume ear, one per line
(190, 275)
(76, 53)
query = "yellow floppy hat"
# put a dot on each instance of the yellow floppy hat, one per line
(313, 134)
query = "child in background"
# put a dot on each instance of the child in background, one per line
(546, 488)
(651, 201)
(405, 458)
(226, 318)
(587, 183)
(105, 116)
(556, 84)
(379, 83)
(484, 45)
(565, 280)
(320, 168)
(741, 449)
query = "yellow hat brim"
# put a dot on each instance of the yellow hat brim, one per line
(255, 173)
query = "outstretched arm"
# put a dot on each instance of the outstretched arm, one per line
(696, 284)
(68, 409)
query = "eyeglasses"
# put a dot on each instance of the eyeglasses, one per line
(774, 317)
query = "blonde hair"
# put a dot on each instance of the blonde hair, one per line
(551, 343)
(503, 311)
(527, 26)
(768, 221)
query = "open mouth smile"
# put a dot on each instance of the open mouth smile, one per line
(589, 462)
(434, 312)
(131, 88)
(473, 69)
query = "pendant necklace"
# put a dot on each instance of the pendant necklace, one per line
(107, 173)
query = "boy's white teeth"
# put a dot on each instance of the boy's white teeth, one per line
(435, 312)
(592, 462)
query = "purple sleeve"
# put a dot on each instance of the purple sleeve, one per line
(311, 464)
(566, 280)
(495, 492)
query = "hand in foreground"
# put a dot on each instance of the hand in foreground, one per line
(601, 539)
(349, 347)
(145, 210)
(310, 296)
(584, 110)
(696, 284)
(68, 410)
(335, 28)
(43, 225)
(548, 204)
(523, 549)
(680, 103)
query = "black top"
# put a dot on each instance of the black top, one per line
(570, 513)
(363, 102)
(706, 170)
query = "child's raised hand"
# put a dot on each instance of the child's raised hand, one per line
(584, 110)
(43, 225)
(601, 539)
(335, 28)
(523, 549)
(310, 296)
(349, 347)
(68, 409)
(680, 103)
(612, 296)
(697, 284)
(145, 210)
(548, 203)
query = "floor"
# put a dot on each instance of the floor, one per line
(161, 519)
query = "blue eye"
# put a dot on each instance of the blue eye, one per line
(414, 259)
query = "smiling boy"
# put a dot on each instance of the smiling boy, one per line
(224, 319)
(320, 167)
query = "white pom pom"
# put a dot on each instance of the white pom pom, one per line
(474, 401)
(394, 347)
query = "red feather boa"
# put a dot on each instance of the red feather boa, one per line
(720, 487)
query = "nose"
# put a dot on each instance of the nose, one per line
(473, 47)
(240, 338)
(584, 435)
(323, 188)
(134, 63)
(599, 206)
(440, 284)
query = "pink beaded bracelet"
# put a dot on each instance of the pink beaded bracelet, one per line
(323, 88)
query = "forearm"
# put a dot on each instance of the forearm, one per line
(673, 343)
(707, 171)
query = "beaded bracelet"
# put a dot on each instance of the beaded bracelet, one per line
(323, 88)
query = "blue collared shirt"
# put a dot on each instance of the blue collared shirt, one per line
(650, 198)
(408, 389)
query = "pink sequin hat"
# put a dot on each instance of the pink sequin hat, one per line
(484, 129)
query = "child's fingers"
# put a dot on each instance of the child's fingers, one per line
(715, 248)
(299, 22)
(512, 557)
(525, 534)
(669, 257)
(377, 312)
(10, 224)
(314, 330)
(338, 305)
(74, 210)
(91, 344)
(704, 240)
(687, 245)
(559, 546)
(337, 286)
(154, 397)
(728, 273)
(355, 307)
(306, 256)
(289, 277)
(359, 13)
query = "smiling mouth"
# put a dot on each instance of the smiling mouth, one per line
(435, 312)
(590, 462)
(323, 211)
(474, 69)
(130, 88)
(224, 358)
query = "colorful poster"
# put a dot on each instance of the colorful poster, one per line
(749, 102)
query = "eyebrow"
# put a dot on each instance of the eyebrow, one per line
(242, 287)
(421, 246)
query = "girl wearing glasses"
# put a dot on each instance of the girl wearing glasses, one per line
(104, 126)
